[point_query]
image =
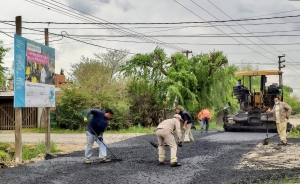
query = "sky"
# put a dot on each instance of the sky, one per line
(239, 49)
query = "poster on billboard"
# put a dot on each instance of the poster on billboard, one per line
(34, 74)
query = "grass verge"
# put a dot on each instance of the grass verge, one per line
(295, 132)
(212, 126)
(7, 151)
(52, 130)
(32, 151)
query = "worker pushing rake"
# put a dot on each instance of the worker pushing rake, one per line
(97, 125)
(95, 129)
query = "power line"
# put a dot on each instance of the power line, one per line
(74, 39)
(6, 34)
(93, 19)
(103, 39)
(230, 27)
(222, 30)
(144, 23)
(283, 51)
(61, 11)
(172, 36)
(247, 30)
(186, 36)
(181, 43)
(36, 39)
(186, 26)
(246, 33)
(272, 13)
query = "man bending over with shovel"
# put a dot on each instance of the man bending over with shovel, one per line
(95, 128)
(164, 133)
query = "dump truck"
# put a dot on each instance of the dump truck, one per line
(253, 103)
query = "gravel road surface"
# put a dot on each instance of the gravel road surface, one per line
(213, 157)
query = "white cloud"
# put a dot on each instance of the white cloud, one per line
(162, 11)
(87, 6)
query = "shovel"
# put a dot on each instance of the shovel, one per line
(155, 145)
(266, 141)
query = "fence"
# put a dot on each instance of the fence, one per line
(7, 117)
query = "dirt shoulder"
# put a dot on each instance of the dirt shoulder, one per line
(271, 157)
(66, 143)
(78, 142)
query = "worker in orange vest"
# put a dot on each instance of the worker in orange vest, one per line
(204, 117)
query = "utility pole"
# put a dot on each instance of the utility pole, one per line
(187, 52)
(279, 67)
(47, 109)
(18, 111)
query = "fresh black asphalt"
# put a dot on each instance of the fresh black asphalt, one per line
(211, 158)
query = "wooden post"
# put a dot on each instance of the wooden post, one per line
(187, 53)
(47, 109)
(18, 111)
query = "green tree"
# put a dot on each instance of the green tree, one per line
(70, 107)
(3, 69)
(93, 87)
(112, 59)
(193, 82)
(293, 102)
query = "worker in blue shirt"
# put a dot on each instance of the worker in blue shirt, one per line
(95, 128)
(239, 83)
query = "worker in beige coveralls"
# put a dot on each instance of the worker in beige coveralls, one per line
(281, 112)
(164, 134)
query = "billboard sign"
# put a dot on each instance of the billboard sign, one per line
(34, 74)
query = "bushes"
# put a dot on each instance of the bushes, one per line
(6, 152)
(121, 120)
(295, 132)
(72, 105)
(296, 129)
(69, 109)
(4, 156)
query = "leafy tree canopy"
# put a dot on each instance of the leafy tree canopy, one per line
(3, 69)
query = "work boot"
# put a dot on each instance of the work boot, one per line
(104, 160)
(282, 143)
(161, 163)
(87, 161)
(175, 164)
(192, 139)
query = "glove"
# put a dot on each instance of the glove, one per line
(100, 138)
(85, 119)
(179, 144)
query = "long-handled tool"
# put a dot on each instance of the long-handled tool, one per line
(115, 158)
(155, 145)
(266, 141)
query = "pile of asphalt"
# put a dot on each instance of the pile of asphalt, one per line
(211, 158)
